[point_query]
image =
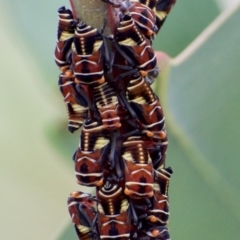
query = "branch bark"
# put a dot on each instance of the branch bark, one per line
(96, 13)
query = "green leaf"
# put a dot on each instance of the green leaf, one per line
(185, 21)
(201, 101)
(68, 233)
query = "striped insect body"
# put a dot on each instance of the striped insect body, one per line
(152, 118)
(66, 28)
(91, 155)
(138, 168)
(113, 211)
(106, 85)
(83, 214)
(162, 10)
(87, 55)
(88, 65)
(147, 107)
(136, 46)
(160, 211)
(77, 106)
(107, 105)
(144, 17)
(139, 91)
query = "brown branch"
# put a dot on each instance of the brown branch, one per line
(95, 13)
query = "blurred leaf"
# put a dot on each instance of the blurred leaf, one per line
(61, 139)
(201, 101)
(68, 233)
(185, 21)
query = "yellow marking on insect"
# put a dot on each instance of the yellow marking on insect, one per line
(83, 229)
(139, 100)
(100, 208)
(124, 205)
(156, 187)
(128, 42)
(128, 156)
(79, 108)
(161, 15)
(100, 143)
(97, 45)
(65, 36)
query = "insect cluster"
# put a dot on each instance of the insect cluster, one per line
(123, 140)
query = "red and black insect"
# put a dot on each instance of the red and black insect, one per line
(107, 105)
(148, 110)
(114, 219)
(92, 153)
(65, 36)
(153, 122)
(160, 204)
(154, 225)
(87, 55)
(163, 7)
(138, 168)
(77, 106)
(84, 215)
(161, 10)
(149, 15)
(88, 66)
(136, 46)
(123, 140)
(143, 16)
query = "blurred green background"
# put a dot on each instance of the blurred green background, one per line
(199, 90)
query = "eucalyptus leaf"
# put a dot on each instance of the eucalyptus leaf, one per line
(201, 101)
